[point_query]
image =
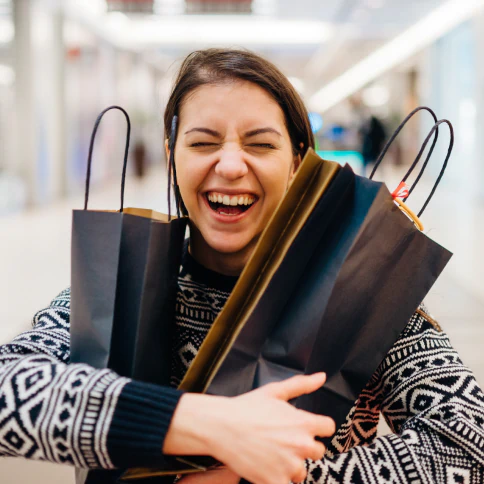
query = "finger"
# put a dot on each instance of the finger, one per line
(319, 425)
(326, 426)
(296, 386)
(317, 451)
(300, 473)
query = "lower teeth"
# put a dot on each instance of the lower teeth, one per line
(228, 211)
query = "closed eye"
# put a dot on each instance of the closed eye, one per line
(263, 145)
(201, 144)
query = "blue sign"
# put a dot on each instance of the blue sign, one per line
(316, 121)
(353, 158)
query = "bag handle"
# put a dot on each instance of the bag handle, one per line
(392, 139)
(172, 168)
(180, 206)
(404, 208)
(444, 166)
(91, 147)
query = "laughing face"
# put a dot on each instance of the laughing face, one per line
(234, 161)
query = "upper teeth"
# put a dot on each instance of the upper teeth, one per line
(231, 200)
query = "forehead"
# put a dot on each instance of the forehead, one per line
(240, 103)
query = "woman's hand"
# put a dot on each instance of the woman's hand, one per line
(219, 476)
(258, 435)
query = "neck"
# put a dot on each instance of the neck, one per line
(228, 264)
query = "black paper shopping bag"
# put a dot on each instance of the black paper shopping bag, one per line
(341, 295)
(124, 273)
(338, 301)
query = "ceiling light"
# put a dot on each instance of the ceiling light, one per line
(217, 29)
(423, 33)
(169, 7)
(264, 7)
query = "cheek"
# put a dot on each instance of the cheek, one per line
(275, 182)
(190, 175)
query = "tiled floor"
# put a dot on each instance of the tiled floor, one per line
(35, 262)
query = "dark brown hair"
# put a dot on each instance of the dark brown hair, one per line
(214, 66)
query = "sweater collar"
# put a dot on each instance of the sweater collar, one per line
(203, 275)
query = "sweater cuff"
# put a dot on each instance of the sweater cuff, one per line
(140, 422)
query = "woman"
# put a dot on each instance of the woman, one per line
(241, 133)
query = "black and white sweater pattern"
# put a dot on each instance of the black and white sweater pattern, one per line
(431, 402)
(72, 413)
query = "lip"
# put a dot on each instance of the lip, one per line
(228, 219)
(231, 192)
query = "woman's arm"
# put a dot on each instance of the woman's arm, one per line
(91, 418)
(433, 404)
(75, 414)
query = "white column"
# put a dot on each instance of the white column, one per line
(40, 154)
(24, 150)
(59, 118)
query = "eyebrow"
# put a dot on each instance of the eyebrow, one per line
(255, 132)
(248, 134)
(211, 132)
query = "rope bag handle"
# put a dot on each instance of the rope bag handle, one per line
(402, 189)
(91, 147)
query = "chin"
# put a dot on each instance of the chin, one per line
(229, 244)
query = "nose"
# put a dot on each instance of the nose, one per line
(231, 164)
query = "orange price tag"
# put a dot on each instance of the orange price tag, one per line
(401, 191)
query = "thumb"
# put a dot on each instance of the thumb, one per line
(295, 386)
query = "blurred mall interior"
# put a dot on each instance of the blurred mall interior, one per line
(360, 65)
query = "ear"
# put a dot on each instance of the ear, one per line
(167, 148)
(295, 166)
(296, 163)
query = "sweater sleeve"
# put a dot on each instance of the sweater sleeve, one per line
(433, 404)
(72, 413)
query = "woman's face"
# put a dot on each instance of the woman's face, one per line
(234, 161)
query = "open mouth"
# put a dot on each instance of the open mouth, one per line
(231, 205)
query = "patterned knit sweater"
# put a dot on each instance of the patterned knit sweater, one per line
(74, 414)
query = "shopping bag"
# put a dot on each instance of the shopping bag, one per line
(337, 303)
(123, 287)
(124, 273)
(333, 281)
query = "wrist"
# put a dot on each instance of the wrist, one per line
(195, 424)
